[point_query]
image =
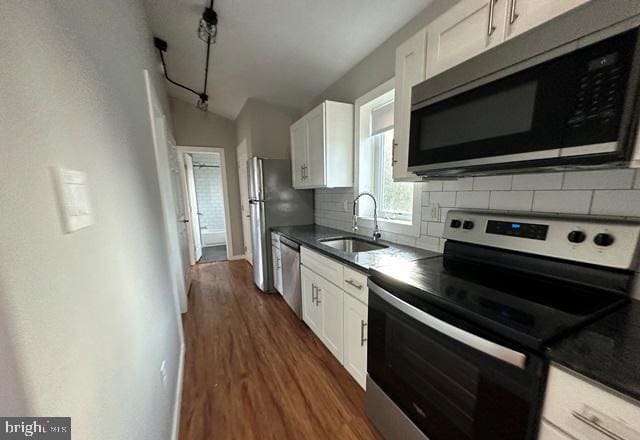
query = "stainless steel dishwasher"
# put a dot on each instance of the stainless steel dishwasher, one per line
(291, 290)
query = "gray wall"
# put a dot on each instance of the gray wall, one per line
(85, 318)
(379, 65)
(266, 129)
(195, 128)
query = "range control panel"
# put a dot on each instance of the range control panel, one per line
(602, 242)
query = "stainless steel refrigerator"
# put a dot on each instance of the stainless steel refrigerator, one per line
(273, 202)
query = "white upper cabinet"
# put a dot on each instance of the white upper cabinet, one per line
(298, 152)
(410, 70)
(322, 147)
(467, 29)
(473, 26)
(523, 15)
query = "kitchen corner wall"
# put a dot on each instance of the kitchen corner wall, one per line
(604, 193)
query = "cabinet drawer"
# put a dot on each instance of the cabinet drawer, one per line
(355, 284)
(587, 411)
(323, 266)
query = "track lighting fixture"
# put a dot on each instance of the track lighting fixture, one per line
(207, 32)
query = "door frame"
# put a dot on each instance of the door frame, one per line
(185, 149)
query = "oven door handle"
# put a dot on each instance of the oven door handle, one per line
(497, 351)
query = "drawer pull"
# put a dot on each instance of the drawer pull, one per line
(354, 284)
(593, 422)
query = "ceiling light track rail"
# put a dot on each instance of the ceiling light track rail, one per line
(207, 32)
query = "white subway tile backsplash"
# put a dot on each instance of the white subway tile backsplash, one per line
(600, 179)
(511, 200)
(431, 213)
(428, 243)
(435, 229)
(567, 202)
(434, 185)
(444, 199)
(473, 199)
(594, 192)
(537, 181)
(463, 184)
(492, 182)
(622, 203)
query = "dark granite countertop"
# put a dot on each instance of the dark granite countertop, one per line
(607, 351)
(310, 236)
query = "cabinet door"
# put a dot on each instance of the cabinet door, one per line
(464, 31)
(311, 312)
(331, 299)
(523, 15)
(298, 152)
(410, 70)
(277, 268)
(315, 148)
(355, 339)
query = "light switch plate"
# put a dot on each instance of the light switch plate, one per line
(73, 198)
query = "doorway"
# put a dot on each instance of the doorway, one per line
(206, 196)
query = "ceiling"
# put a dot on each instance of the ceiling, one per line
(285, 52)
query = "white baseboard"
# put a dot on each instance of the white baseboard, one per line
(237, 257)
(178, 397)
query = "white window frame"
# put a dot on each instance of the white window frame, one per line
(360, 136)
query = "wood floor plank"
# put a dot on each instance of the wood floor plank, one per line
(254, 371)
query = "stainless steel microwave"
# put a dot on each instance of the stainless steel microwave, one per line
(561, 96)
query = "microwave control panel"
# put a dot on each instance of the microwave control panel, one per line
(599, 89)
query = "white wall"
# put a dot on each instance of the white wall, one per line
(85, 318)
(195, 128)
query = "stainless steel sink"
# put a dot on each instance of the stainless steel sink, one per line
(353, 244)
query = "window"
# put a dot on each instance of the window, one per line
(395, 199)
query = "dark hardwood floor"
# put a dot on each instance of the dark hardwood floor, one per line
(254, 371)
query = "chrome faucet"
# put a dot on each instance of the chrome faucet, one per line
(376, 230)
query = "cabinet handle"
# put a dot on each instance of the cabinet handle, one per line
(513, 14)
(593, 423)
(354, 284)
(393, 152)
(313, 293)
(491, 28)
(362, 338)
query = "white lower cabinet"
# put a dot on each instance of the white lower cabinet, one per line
(311, 312)
(276, 259)
(330, 300)
(333, 314)
(577, 408)
(355, 339)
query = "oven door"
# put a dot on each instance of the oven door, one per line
(566, 106)
(448, 383)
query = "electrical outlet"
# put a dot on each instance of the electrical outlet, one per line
(346, 205)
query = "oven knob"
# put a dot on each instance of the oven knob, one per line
(576, 236)
(455, 223)
(603, 239)
(468, 224)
